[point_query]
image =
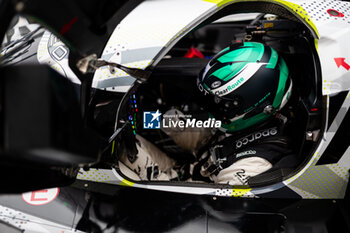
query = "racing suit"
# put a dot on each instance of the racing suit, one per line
(236, 158)
(152, 163)
(232, 159)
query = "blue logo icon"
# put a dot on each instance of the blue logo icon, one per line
(151, 120)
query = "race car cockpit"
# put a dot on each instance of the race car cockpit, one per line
(182, 117)
(173, 91)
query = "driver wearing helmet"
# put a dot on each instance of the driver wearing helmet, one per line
(246, 86)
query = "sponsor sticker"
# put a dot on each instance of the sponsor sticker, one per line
(40, 197)
(244, 153)
(255, 136)
(215, 84)
(242, 176)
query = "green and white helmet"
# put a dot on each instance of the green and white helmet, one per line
(244, 85)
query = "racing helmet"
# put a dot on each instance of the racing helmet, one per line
(244, 84)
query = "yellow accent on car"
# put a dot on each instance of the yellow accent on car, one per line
(239, 192)
(294, 8)
(126, 183)
(316, 45)
(113, 145)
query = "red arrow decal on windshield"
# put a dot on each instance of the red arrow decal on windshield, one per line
(340, 61)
